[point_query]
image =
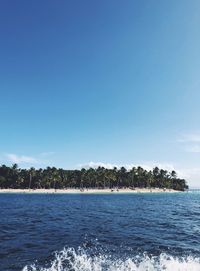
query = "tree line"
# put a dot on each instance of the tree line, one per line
(58, 178)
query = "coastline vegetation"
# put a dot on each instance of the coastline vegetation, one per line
(51, 177)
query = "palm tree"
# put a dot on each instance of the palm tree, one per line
(31, 175)
(15, 177)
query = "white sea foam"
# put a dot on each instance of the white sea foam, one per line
(72, 260)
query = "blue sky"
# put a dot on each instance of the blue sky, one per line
(111, 82)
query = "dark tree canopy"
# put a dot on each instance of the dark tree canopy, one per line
(51, 177)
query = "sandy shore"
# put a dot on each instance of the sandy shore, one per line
(88, 191)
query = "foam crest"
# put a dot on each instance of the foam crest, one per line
(72, 260)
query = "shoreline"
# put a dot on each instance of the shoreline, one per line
(88, 191)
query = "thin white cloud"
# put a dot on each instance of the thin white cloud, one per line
(192, 138)
(14, 158)
(47, 153)
(193, 148)
(96, 165)
(190, 142)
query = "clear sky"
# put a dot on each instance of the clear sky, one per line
(114, 82)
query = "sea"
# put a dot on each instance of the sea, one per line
(97, 232)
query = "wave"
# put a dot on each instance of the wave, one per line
(79, 260)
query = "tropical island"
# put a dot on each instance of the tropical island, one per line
(52, 178)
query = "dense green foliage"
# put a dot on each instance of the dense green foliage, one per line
(51, 177)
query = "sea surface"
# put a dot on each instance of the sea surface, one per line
(140, 232)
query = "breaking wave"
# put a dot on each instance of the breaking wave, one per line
(70, 259)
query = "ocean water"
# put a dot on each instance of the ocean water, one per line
(117, 232)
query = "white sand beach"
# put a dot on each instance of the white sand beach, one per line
(89, 191)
